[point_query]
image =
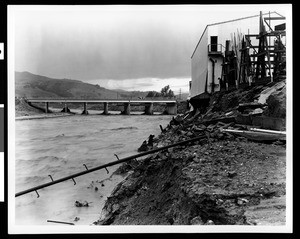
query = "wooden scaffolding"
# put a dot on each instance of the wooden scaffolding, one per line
(267, 60)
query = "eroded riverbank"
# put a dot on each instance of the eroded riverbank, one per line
(225, 179)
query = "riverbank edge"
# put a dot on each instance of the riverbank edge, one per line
(156, 184)
(41, 116)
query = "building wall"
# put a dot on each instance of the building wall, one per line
(217, 74)
(199, 67)
(236, 29)
(233, 31)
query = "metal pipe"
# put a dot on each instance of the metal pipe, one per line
(69, 223)
(106, 165)
(268, 131)
(213, 76)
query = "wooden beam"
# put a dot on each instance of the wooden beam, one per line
(268, 131)
(274, 18)
(259, 54)
(271, 33)
(252, 35)
(255, 135)
(257, 46)
(276, 33)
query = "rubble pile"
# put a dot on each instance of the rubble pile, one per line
(223, 179)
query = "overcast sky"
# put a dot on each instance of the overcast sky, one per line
(127, 47)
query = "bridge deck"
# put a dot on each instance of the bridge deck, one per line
(98, 101)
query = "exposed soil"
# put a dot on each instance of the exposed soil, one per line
(222, 179)
(24, 111)
(226, 182)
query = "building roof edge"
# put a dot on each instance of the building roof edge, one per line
(238, 19)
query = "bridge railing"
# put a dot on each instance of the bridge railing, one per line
(101, 100)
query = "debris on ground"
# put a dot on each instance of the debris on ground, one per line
(227, 178)
(147, 145)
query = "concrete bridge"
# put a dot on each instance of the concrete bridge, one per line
(171, 105)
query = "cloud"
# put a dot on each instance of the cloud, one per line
(113, 42)
(104, 44)
(145, 84)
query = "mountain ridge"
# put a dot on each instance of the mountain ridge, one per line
(31, 85)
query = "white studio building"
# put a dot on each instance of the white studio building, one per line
(207, 60)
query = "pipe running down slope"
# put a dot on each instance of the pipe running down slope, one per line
(105, 166)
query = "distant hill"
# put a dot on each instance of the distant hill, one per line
(35, 86)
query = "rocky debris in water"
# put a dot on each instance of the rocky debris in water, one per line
(147, 145)
(92, 185)
(150, 140)
(82, 204)
(143, 147)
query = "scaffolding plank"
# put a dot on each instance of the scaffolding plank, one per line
(274, 18)
(251, 35)
(257, 46)
(259, 54)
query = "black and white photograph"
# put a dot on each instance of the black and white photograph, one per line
(149, 118)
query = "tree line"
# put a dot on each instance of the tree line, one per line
(165, 92)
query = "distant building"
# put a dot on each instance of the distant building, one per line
(217, 42)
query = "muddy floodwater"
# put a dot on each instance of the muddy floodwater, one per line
(59, 147)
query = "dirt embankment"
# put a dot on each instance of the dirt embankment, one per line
(223, 179)
(25, 111)
(181, 189)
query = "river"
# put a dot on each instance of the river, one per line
(59, 147)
